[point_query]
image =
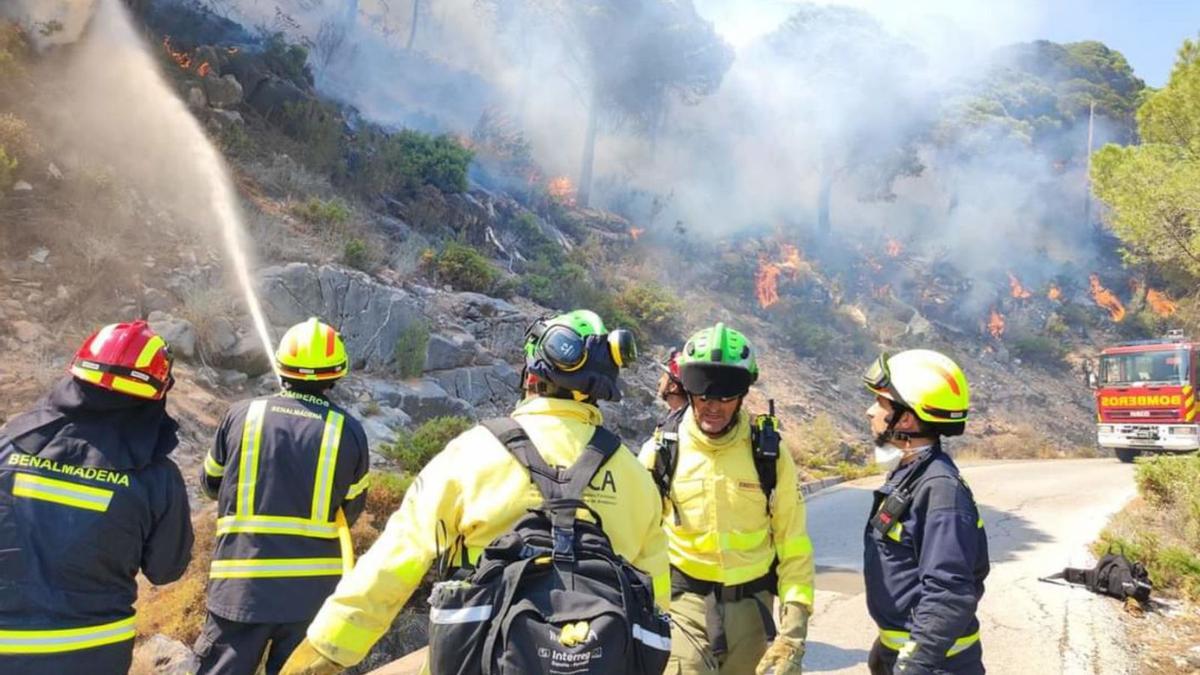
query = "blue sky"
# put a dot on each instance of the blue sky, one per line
(1148, 33)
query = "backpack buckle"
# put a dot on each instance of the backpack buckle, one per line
(564, 544)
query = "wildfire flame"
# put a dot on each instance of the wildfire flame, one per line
(204, 69)
(181, 59)
(1105, 298)
(996, 324)
(893, 248)
(766, 283)
(561, 190)
(791, 260)
(1055, 293)
(1018, 291)
(636, 232)
(1160, 303)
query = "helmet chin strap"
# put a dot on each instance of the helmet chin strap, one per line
(890, 434)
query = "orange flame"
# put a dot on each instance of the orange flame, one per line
(1018, 291)
(1055, 293)
(893, 248)
(1105, 298)
(181, 59)
(561, 190)
(792, 260)
(204, 69)
(1160, 303)
(766, 283)
(996, 324)
(636, 232)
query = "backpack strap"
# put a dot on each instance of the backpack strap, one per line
(562, 491)
(547, 478)
(666, 456)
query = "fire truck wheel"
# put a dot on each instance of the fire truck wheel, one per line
(1127, 455)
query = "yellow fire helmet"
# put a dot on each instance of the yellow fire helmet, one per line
(311, 351)
(928, 382)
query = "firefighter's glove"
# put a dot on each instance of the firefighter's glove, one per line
(786, 653)
(306, 660)
(906, 667)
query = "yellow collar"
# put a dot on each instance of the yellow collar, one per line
(557, 407)
(737, 435)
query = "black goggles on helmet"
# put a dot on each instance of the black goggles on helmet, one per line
(878, 379)
(566, 349)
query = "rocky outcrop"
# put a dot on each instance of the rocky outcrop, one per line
(494, 388)
(370, 316)
(421, 400)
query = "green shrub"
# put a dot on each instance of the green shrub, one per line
(653, 308)
(289, 61)
(315, 211)
(317, 126)
(410, 349)
(465, 268)
(817, 442)
(555, 285)
(1038, 349)
(413, 449)
(1164, 481)
(403, 162)
(7, 166)
(1163, 532)
(385, 492)
(356, 254)
(808, 338)
(534, 243)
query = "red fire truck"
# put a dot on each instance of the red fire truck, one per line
(1145, 397)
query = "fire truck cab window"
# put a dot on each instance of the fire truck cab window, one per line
(1144, 367)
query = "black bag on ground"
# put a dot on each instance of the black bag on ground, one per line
(550, 596)
(1114, 575)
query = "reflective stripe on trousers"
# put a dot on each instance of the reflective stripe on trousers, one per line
(65, 640)
(901, 641)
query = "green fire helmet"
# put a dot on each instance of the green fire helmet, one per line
(718, 361)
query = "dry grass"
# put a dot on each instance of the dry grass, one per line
(177, 610)
(1022, 441)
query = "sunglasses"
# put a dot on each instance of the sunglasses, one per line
(723, 399)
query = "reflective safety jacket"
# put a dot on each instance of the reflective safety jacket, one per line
(924, 577)
(476, 490)
(88, 497)
(717, 524)
(281, 467)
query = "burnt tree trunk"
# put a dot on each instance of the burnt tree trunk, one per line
(589, 153)
(824, 192)
(412, 31)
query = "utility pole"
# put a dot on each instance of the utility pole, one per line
(1087, 179)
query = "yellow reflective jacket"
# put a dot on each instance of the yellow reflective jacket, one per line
(476, 489)
(722, 533)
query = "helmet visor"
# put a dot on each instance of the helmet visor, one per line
(878, 378)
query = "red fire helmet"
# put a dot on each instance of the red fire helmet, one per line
(127, 358)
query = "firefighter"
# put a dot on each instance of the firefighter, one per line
(474, 490)
(670, 389)
(735, 522)
(925, 550)
(88, 496)
(289, 473)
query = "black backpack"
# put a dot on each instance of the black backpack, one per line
(1114, 575)
(550, 595)
(764, 444)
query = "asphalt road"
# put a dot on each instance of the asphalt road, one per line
(1040, 517)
